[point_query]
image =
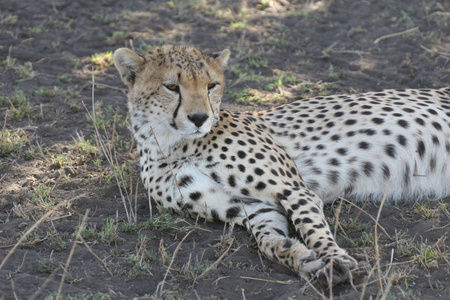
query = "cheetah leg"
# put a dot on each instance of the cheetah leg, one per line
(267, 222)
(305, 211)
(270, 228)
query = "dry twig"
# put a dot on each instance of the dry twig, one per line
(160, 287)
(377, 248)
(434, 52)
(44, 285)
(95, 255)
(66, 267)
(290, 281)
(107, 86)
(314, 288)
(392, 35)
(215, 263)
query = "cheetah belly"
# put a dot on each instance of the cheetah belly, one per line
(377, 166)
(365, 145)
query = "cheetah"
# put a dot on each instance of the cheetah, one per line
(277, 168)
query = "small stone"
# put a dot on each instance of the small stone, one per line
(3, 203)
(22, 225)
(433, 264)
(54, 175)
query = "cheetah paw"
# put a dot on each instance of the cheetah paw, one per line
(338, 272)
(310, 265)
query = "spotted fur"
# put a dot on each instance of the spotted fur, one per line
(265, 170)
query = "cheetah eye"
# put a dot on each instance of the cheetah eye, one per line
(212, 85)
(172, 87)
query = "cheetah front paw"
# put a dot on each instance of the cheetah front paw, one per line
(309, 265)
(337, 270)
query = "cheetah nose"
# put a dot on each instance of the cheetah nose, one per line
(198, 119)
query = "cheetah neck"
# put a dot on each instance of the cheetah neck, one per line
(157, 141)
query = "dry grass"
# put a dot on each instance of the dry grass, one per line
(107, 147)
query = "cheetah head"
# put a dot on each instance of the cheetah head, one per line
(176, 91)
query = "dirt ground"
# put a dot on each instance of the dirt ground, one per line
(53, 172)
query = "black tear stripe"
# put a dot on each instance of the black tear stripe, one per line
(175, 113)
(209, 100)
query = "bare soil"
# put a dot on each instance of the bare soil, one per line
(282, 50)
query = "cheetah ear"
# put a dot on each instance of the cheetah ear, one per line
(128, 64)
(221, 57)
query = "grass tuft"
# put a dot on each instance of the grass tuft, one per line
(12, 142)
(103, 60)
(109, 233)
(19, 105)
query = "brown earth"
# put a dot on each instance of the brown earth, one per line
(282, 50)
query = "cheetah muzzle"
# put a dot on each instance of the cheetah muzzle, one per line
(266, 170)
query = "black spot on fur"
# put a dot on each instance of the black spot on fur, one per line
(433, 164)
(245, 192)
(233, 212)
(317, 244)
(318, 226)
(435, 140)
(333, 162)
(386, 171)
(185, 181)
(307, 220)
(420, 121)
(367, 168)
(403, 123)
(432, 111)
(406, 176)
(260, 186)
(390, 150)
(287, 244)
(342, 151)
(279, 231)
(333, 176)
(215, 215)
(259, 171)
(335, 137)
(401, 140)
(437, 126)
(420, 148)
(378, 121)
(259, 156)
(215, 177)
(369, 132)
(232, 181)
(260, 212)
(363, 145)
(195, 196)
(315, 210)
